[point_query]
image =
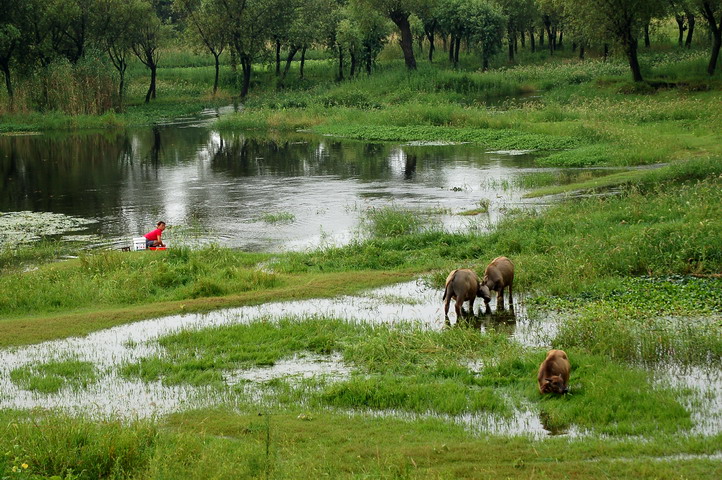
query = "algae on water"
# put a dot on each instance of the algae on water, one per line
(26, 226)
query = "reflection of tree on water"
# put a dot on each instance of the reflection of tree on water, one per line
(410, 170)
(241, 155)
(76, 175)
(155, 148)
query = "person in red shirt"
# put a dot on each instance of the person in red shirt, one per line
(153, 239)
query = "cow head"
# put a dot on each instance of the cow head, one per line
(483, 292)
(554, 384)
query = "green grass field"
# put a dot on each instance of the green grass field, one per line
(632, 276)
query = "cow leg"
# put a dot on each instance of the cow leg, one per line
(471, 306)
(500, 299)
(457, 307)
(511, 298)
(446, 306)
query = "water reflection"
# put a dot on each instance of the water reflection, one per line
(224, 183)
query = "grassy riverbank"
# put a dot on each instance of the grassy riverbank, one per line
(632, 277)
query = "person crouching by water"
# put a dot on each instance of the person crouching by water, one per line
(153, 239)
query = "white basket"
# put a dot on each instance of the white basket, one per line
(138, 243)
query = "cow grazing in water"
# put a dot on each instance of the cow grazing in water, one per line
(462, 285)
(499, 274)
(553, 374)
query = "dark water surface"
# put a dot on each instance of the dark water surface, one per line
(256, 192)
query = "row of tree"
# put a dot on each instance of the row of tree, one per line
(35, 33)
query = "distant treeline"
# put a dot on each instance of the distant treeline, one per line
(48, 41)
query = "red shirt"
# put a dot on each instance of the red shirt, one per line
(154, 234)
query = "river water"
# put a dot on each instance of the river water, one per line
(256, 192)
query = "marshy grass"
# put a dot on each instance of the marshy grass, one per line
(648, 320)
(53, 376)
(278, 217)
(483, 207)
(407, 369)
(392, 221)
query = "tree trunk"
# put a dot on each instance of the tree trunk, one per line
(560, 45)
(716, 31)
(303, 59)
(629, 44)
(246, 68)
(548, 27)
(153, 76)
(531, 40)
(606, 51)
(151, 89)
(5, 67)
(215, 80)
(278, 58)
(121, 66)
(484, 62)
(690, 30)
(510, 41)
(369, 61)
(647, 43)
(541, 37)
(581, 52)
(457, 47)
(716, 43)
(430, 37)
(451, 49)
(340, 63)
(353, 64)
(401, 19)
(443, 42)
(680, 27)
(291, 53)
(522, 37)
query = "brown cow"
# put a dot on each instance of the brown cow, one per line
(498, 275)
(462, 285)
(553, 374)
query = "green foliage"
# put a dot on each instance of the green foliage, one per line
(56, 446)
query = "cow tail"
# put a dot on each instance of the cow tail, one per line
(447, 293)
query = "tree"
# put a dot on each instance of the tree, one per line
(521, 15)
(398, 11)
(362, 32)
(150, 35)
(711, 10)
(621, 20)
(429, 14)
(10, 39)
(114, 27)
(486, 29)
(247, 29)
(310, 21)
(206, 22)
(452, 21)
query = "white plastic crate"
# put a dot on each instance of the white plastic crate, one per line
(138, 243)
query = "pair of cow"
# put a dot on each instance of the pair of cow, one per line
(464, 285)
